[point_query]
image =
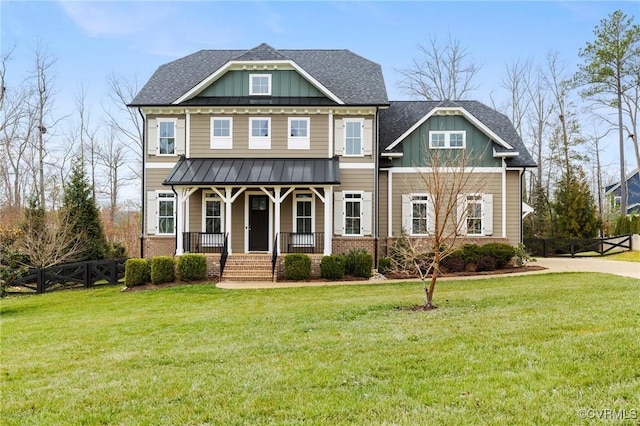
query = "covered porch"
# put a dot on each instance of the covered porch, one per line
(254, 205)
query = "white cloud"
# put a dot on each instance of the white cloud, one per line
(115, 19)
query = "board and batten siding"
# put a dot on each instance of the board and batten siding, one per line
(200, 137)
(416, 145)
(408, 183)
(287, 83)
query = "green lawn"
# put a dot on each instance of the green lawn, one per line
(530, 350)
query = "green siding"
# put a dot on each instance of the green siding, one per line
(416, 144)
(283, 83)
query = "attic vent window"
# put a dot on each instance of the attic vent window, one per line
(260, 84)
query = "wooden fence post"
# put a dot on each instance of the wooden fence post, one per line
(87, 275)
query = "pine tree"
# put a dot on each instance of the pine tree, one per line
(80, 210)
(576, 214)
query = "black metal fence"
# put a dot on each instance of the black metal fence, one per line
(295, 242)
(71, 275)
(203, 242)
(550, 247)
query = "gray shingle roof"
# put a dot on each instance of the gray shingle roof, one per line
(402, 115)
(352, 78)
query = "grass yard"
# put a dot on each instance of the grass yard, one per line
(531, 350)
(627, 256)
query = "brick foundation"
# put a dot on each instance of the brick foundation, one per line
(346, 244)
(159, 246)
(424, 244)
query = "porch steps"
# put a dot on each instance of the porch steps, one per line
(247, 267)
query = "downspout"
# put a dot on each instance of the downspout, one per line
(376, 176)
(144, 182)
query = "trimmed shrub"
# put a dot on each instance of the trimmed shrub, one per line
(191, 267)
(350, 261)
(502, 253)
(163, 269)
(485, 263)
(470, 253)
(297, 266)
(363, 265)
(136, 272)
(384, 265)
(454, 262)
(332, 267)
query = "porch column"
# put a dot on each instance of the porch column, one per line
(328, 219)
(180, 223)
(227, 216)
(276, 228)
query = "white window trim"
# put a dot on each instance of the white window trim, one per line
(447, 139)
(252, 76)
(294, 214)
(298, 142)
(215, 197)
(158, 200)
(345, 200)
(426, 203)
(259, 142)
(222, 142)
(344, 141)
(466, 217)
(175, 135)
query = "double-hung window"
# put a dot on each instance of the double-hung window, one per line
(353, 137)
(212, 213)
(221, 132)
(166, 213)
(352, 213)
(447, 139)
(166, 137)
(260, 84)
(298, 133)
(303, 213)
(474, 215)
(260, 133)
(419, 215)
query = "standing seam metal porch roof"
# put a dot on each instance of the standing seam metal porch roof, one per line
(254, 171)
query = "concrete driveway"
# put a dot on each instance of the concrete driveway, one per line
(589, 264)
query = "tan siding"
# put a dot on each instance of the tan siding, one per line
(195, 212)
(237, 225)
(201, 143)
(514, 206)
(382, 204)
(155, 177)
(405, 183)
(356, 180)
(286, 214)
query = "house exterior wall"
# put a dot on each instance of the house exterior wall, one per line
(283, 83)
(416, 145)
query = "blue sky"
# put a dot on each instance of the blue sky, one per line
(94, 39)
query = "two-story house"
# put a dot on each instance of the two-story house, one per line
(276, 151)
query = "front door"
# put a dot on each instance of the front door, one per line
(258, 223)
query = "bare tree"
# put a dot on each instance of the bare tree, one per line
(50, 243)
(566, 131)
(112, 156)
(443, 71)
(446, 215)
(127, 121)
(517, 82)
(42, 105)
